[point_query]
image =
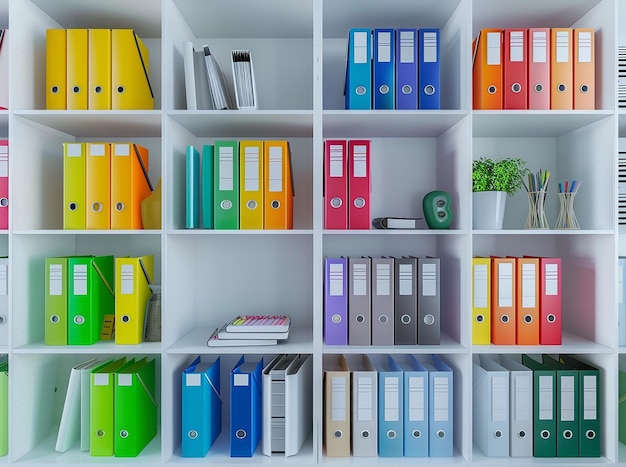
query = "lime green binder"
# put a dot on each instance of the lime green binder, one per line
(135, 408)
(4, 408)
(226, 185)
(102, 407)
(90, 297)
(55, 302)
(544, 408)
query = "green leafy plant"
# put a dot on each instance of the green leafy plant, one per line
(498, 175)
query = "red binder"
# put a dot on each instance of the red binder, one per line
(539, 68)
(359, 184)
(4, 184)
(335, 184)
(515, 70)
(550, 328)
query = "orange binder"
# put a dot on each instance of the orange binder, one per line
(77, 69)
(129, 184)
(502, 300)
(278, 186)
(515, 69)
(561, 69)
(98, 180)
(527, 300)
(584, 69)
(487, 70)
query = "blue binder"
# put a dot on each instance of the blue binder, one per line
(390, 406)
(383, 70)
(406, 69)
(246, 405)
(358, 91)
(201, 410)
(440, 408)
(429, 69)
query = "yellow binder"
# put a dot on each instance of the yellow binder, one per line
(251, 185)
(98, 182)
(74, 213)
(130, 72)
(129, 184)
(77, 69)
(99, 69)
(56, 70)
(133, 277)
(481, 300)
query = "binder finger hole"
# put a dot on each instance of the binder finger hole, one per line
(492, 89)
(429, 320)
(338, 434)
(365, 434)
(545, 434)
(383, 319)
(360, 90)
(100, 433)
(76, 89)
(359, 202)
(516, 87)
(72, 206)
(567, 434)
(123, 434)
(406, 89)
(252, 204)
(98, 89)
(335, 203)
(119, 207)
(120, 89)
(497, 434)
(54, 319)
(78, 319)
(384, 89)
(4, 202)
(193, 434)
(528, 319)
(441, 434)
(561, 88)
(405, 319)
(96, 207)
(391, 434)
(226, 204)
(504, 318)
(275, 204)
(551, 318)
(336, 318)
(429, 90)
(240, 434)
(480, 318)
(584, 88)
(538, 87)
(54, 89)
(2, 319)
(125, 319)
(360, 319)
(416, 434)
(521, 434)
(590, 434)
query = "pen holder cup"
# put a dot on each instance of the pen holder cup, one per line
(567, 217)
(536, 211)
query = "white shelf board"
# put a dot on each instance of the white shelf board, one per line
(100, 347)
(479, 458)
(571, 344)
(231, 233)
(447, 346)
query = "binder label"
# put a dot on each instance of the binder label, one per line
(336, 280)
(480, 286)
(499, 391)
(276, 169)
(121, 150)
(74, 150)
(551, 279)
(4, 165)
(80, 279)
(562, 46)
(240, 379)
(55, 279)
(430, 47)
(383, 279)
(127, 279)
(416, 399)
(384, 46)
(407, 46)
(3, 279)
(429, 280)
(540, 47)
(101, 379)
(336, 161)
(125, 379)
(589, 398)
(96, 150)
(405, 279)
(251, 166)
(516, 46)
(226, 167)
(392, 399)
(505, 285)
(584, 47)
(493, 48)
(522, 397)
(545, 397)
(359, 279)
(528, 285)
(338, 395)
(192, 379)
(361, 40)
(365, 387)
(359, 161)
(567, 398)
(440, 399)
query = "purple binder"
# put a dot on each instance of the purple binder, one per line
(336, 301)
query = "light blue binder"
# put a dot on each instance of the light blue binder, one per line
(440, 408)
(390, 406)
(358, 91)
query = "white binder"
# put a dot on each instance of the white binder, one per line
(364, 406)
(521, 405)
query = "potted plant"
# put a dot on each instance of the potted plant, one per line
(492, 181)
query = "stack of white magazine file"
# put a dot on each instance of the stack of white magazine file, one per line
(205, 84)
(251, 330)
(243, 77)
(621, 76)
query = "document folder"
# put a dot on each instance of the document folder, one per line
(74, 186)
(429, 73)
(487, 70)
(383, 69)
(405, 301)
(246, 405)
(364, 421)
(382, 301)
(56, 69)
(561, 69)
(481, 300)
(77, 69)
(133, 277)
(550, 302)
(406, 69)
(527, 300)
(521, 404)
(226, 185)
(99, 73)
(358, 89)
(278, 186)
(359, 300)
(335, 184)
(55, 302)
(192, 188)
(201, 407)
(130, 184)
(130, 67)
(584, 69)
(390, 406)
(359, 184)
(441, 408)
(539, 68)
(206, 187)
(544, 408)
(515, 69)
(336, 301)
(98, 186)
(336, 430)
(490, 415)
(503, 279)
(428, 301)
(251, 185)
(243, 79)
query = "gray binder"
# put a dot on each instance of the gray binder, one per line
(428, 301)
(359, 301)
(382, 301)
(405, 295)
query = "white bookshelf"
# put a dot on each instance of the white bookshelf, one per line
(298, 49)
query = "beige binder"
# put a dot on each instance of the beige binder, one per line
(336, 406)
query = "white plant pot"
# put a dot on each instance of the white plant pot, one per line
(488, 210)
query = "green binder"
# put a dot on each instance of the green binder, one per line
(90, 297)
(590, 389)
(4, 407)
(544, 405)
(135, 408)
(206, 187)
(226, 185)
(102, 407)
(567, 408)
(55, 302)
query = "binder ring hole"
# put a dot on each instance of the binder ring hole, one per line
(359, 202)
(54, 89)
(480, 318)
(405, 319)
(240, 434)
(123, 434)
(76, 89)
(79, 319)
(384, 89)
(538, 87)
(2, 319)
(584, 88)
(521, 434)
(504, 318)
(4, 202)
(590, 434)
(441, 434)
(528, 318)
(551, 318)
(429, 90)
(98, 89)
(360, 90)
(226, 204)
(336, 318)
(416, 434)
(120, 89)
(497, 434)
(338, 434)
(567, 434)
(545, 434)
(96, 207)
(516, 87)
(429, 320)
(252, 204)
(391, 434)
(360, 319)
(275, 204)
(383, 319)
(125, 318)
(335, 203)
(119, 207)
(365, 434)
(561, 88)
(406, 89)
(100, 433)
(492, 89)
(72, 206)
(54, 319)
(193, 434)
